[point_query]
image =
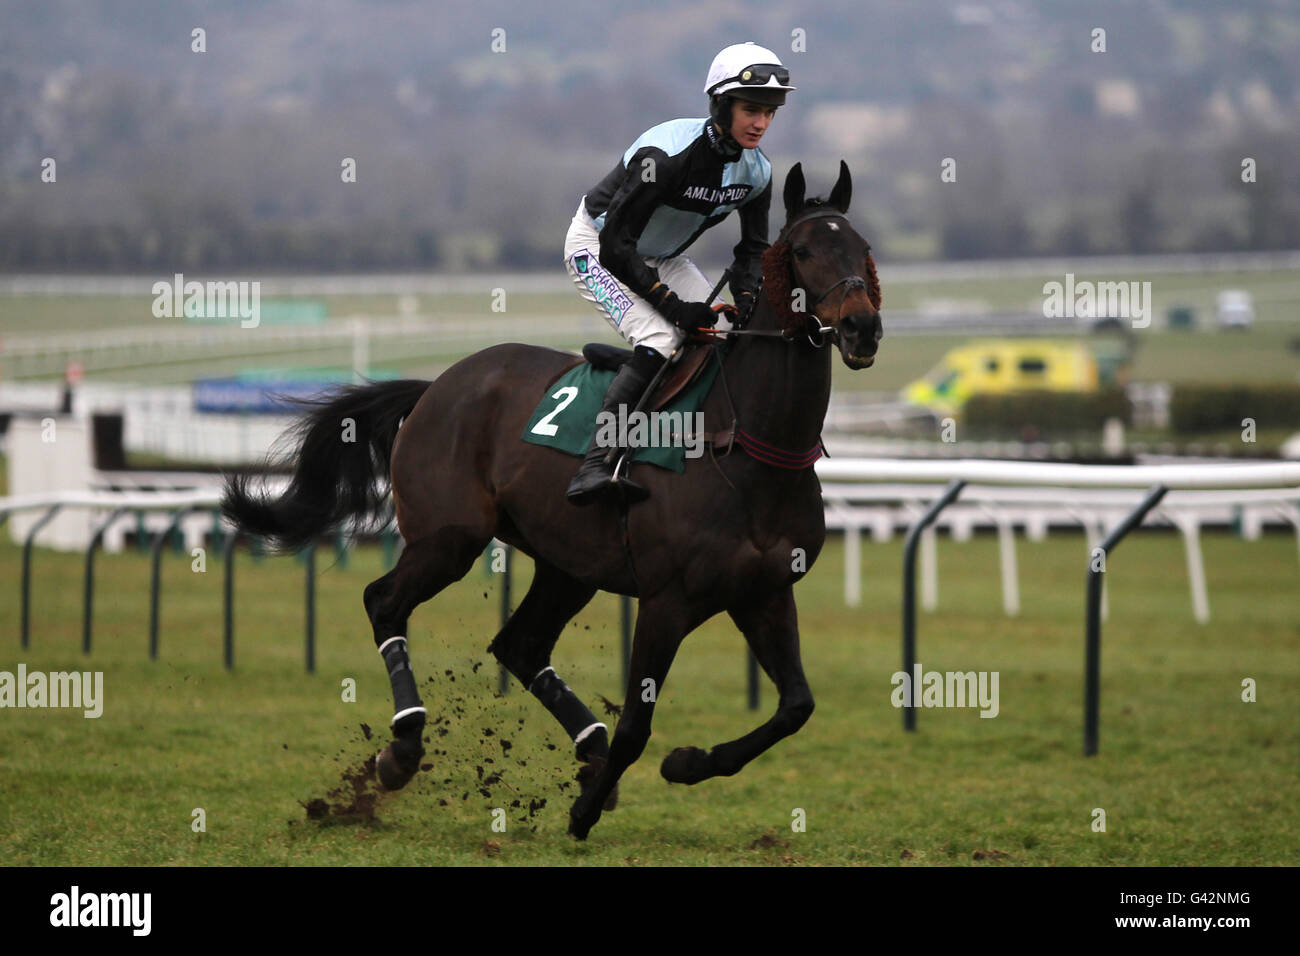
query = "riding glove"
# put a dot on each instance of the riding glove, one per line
(687, 316)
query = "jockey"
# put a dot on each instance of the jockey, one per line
(624, 247)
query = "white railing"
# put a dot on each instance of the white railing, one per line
(885, 495)
(148, 509)
(346, 340)
(1254, 475)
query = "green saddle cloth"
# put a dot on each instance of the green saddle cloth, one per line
(565, 418)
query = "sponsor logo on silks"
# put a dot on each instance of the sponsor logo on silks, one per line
(713, 134)
(718, 195)
(604, 287)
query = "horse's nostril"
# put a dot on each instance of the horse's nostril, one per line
(861, 326)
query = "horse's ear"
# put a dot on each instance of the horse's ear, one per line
(843, 190)
(794, 191)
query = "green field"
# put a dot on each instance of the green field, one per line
(1187, 774)
(1268, 353)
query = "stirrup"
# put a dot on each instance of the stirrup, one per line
(631, 491)
(611, 484)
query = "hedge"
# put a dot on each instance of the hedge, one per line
(1208, 408)
(1045, 414)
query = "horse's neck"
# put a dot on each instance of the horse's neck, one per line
(780, 389)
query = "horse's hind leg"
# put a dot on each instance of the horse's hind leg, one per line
(425, 567)
(524, 646)
(772, 630)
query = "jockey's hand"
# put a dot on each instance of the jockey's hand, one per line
(725, 308)
(744, 302)
(688, 316)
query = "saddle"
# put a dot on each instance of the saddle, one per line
(676, 380)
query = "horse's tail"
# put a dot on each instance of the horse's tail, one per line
(340, 453)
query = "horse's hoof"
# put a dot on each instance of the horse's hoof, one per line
(685, 765)
(583, 815)
(587, 775)
(580, 823)
(393, 772)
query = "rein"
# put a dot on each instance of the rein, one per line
(755, 447)
(777, 263)
(780, 249)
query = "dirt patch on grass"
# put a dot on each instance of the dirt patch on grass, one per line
(769, 841)
(354, 800)
(463, 746)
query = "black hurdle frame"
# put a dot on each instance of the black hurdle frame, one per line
(909, 589)
(27, 571)
(88, 586)
(1092, 627)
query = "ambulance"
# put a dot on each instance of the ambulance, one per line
(1003, 366)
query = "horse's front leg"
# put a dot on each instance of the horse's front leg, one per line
(772, 630)
(660, 627)
(524, 646)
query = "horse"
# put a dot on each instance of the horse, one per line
(734, 532)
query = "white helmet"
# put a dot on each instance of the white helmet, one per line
(749, 71)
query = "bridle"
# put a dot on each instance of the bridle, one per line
(848, 284)
(797, 459)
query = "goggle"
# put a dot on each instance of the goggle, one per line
(760, 73)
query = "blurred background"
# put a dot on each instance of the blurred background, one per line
(1119, 156)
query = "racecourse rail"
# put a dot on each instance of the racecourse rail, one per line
(1005, 493)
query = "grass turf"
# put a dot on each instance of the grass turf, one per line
(1188, 773)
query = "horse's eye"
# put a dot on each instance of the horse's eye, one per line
(801, 252)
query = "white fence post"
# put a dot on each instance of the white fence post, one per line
(1010, 573)
(929, 571)
(1190, 529)
(852, 564)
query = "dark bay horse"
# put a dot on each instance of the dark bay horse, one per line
(733, 533)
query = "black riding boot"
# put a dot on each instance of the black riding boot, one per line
(595, 478)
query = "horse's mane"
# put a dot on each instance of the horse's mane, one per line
(778, 278)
